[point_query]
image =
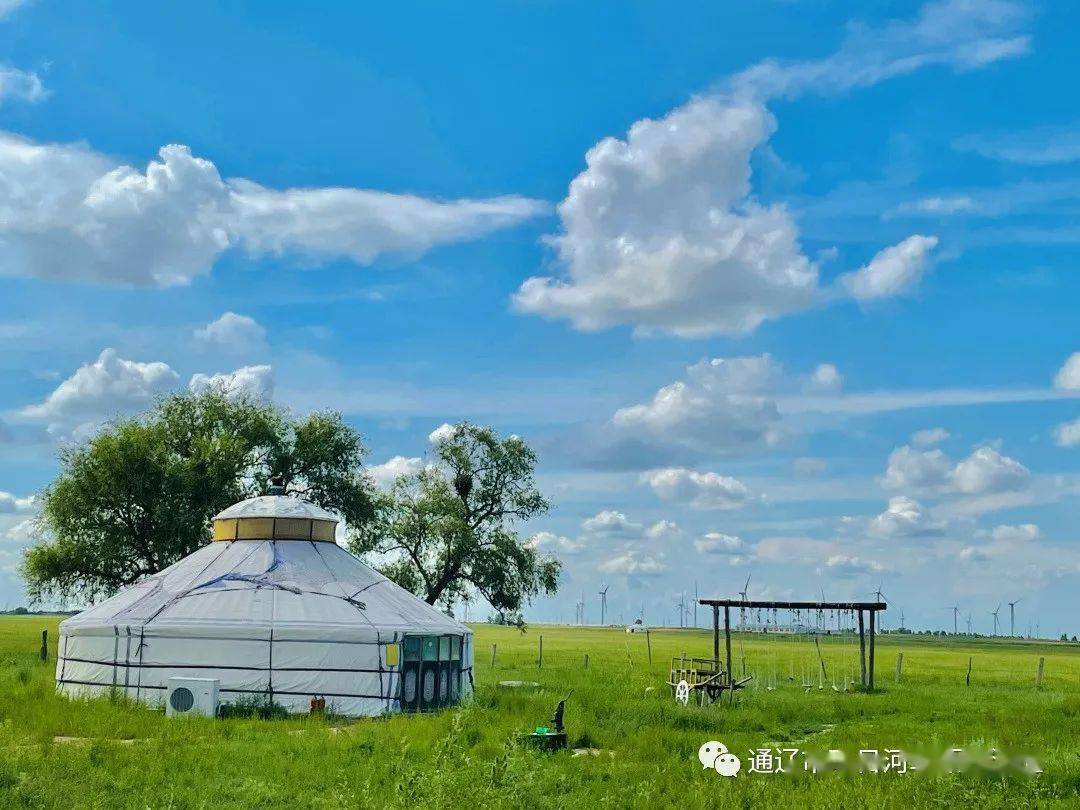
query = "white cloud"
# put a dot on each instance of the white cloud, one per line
(845, 564)
(609, 523)
(707, 490)
(826, 378)
(961, 34)
(973, 554)
(929, 437)
(360, 224)
(663, 530)
(250, 382)
(1039, 146)
(904, 517)
(20, 85)
(892, 271)
(21, 532)
(554, 542)
(633, 564)
(987, 471)
(168, 224)
(389, 471)
(1067, 434)
(108, 387)
(792, 550)
(722, 405)
(441, 433)
(936, 206)
(1068, 376)
(910, 469)
(718, 543)
(983, 472)
(659, 231)
(1024, 533)
(12, 505)
(233, 333)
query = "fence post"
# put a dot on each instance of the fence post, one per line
(540, 661)
(968, 679)
(586, 660)
(1039, 674)
(493, 656)
(899, 665)
(44, 646)
(648, 643)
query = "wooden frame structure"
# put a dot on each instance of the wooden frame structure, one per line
(861, 608)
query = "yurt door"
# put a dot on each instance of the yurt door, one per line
(420, 674)
(429, 674)
(411, 666)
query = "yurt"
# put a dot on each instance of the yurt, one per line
(272, 610)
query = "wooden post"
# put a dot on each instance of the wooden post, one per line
(873, 624)
(967, 681)
(540, 660)
(862, 652)
(716, 634)
(648, 645)
(493, 656)
(44, 646)
(727, 644)
(899, 665)
(1039, 673)
(586, 660)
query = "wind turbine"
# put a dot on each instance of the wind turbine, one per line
(1012, 617)
(603, 603)
(742, 595)
(878, 597)
(695, 604)
(955, 615)
(994, 613)
(969, 624)
(901, 618)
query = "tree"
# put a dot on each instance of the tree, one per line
(140, 494)
(450, 526)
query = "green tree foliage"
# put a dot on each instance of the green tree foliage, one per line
(139, 495)
(450, 527)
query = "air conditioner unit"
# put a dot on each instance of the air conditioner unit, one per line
(186, 696)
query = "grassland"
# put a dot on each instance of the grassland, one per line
(59, 753)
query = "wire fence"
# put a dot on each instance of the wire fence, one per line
(776, 660)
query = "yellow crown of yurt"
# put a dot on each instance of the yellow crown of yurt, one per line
(275, 517)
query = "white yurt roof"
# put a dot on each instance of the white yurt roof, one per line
(276, 506)
(299, 588)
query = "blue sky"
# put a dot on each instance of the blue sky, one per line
(784, 289)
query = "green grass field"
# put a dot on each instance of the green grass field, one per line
(127, 756)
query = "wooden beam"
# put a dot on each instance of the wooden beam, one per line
(862, 652)
(727, 641)
(869, 606)
(872, 634)
(716, 634)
